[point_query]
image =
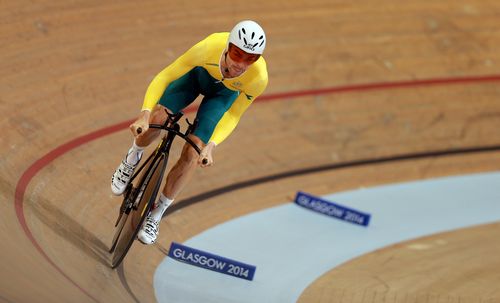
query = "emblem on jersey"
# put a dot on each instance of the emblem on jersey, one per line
(249, 97)
(237, 84)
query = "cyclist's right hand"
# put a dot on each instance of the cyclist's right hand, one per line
(141, 125)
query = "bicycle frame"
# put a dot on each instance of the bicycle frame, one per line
(155, 167)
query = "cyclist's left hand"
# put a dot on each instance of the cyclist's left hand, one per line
(206, 154)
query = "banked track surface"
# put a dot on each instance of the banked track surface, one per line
(58, 87)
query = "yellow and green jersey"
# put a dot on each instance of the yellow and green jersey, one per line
(197, 72)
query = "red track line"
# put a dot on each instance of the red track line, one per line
(380, 86)
(41, 163)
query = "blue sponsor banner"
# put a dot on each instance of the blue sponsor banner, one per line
(331, 209)
(210, 261)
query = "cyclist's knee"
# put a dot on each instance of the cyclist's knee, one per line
(189, 154)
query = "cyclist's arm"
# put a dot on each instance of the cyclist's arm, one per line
(231, 118)
(190, 59)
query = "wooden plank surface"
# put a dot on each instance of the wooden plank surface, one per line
(70, 68)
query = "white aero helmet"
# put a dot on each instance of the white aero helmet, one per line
(249, 37)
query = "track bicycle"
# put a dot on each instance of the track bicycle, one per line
(138, 199)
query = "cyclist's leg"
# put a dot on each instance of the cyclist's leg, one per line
(122, 175)
(182, 171)
(209, 114)
(177, 178)
(178, 95)
(211, 111)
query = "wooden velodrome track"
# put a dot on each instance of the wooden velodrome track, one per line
(349, 81)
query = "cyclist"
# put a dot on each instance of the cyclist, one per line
(229, 71)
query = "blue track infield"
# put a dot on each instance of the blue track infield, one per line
(293, 246)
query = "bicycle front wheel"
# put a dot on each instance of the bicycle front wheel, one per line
(147, 190)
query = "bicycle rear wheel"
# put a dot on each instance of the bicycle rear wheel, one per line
(132, 219)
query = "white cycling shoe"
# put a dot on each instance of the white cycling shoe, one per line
(121, 177)
(149, 231)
